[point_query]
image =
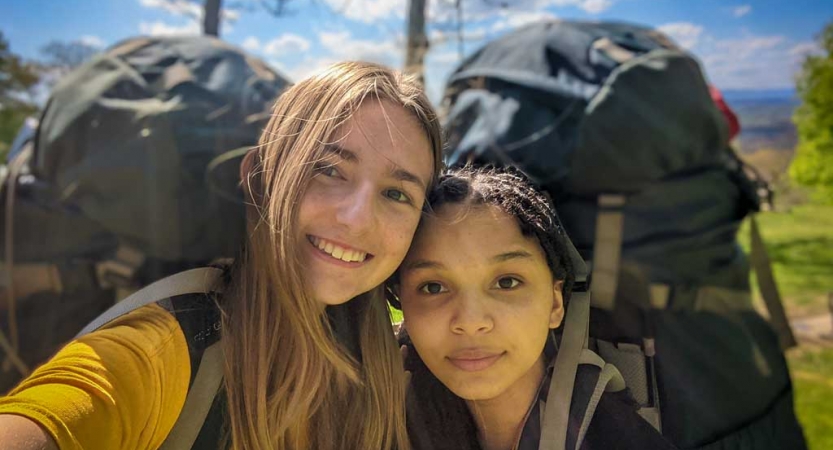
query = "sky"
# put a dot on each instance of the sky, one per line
(746, 44)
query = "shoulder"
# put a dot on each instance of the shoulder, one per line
(187, 324)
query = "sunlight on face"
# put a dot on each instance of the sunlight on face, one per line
(359, 214)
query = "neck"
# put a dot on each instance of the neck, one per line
(499, 420)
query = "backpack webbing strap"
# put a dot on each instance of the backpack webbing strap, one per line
(609, 380)
(194, 281)
(636, 367)
(607, 250)
(573, 341)
(198, 402)
(769, 290)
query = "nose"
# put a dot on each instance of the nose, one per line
(356, 211)
(471, 316)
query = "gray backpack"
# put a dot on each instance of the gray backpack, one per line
(618, 125)
(130, 175)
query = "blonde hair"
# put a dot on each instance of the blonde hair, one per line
(290, 382)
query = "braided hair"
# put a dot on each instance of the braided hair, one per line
(511, 191)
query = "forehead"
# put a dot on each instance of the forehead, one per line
(463, 233)
(381, 132)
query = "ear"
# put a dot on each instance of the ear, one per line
(557, 313)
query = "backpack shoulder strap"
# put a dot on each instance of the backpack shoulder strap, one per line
(769, 290)
(573, 342)
(610, 380)
(209, 376)
(194, 281)
(200, 397)
(607, 249)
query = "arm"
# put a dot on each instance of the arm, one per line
(119, 387)
(20, 433)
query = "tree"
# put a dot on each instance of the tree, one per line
(16, 79)
(62, 57)
(211, 13)
(813, 163)
(417, 45)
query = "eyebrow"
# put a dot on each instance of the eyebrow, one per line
(394, 171)
(517, 254)
(422, 264)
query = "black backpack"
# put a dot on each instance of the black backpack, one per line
(618, 125)
(130, 175)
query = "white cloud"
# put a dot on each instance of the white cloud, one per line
(742, 10)
(438, 37)
(751, 62)
(447, 57)
(808, 48)
(369, 11)
(251, 44)
(285, 43)
(372, 11)
(305, 68)
(476, 10)
(176, 7)
(187, 8)
(519, 19)
(595, 6)
(685, 34)
(343, 45)
(163, 29)
(747, 47)
(92, 41)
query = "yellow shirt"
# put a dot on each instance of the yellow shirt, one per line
(120, 387)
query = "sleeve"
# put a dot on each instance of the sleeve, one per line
(122, 386)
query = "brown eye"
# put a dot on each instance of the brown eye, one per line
(507, 283)
(432, 288)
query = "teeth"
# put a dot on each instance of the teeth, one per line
(338, 252)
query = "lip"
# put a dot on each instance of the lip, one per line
(474, 359)
(318, 253)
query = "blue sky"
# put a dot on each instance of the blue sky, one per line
(745, 44)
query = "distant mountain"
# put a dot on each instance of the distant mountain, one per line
(765, 118)
(759, 95)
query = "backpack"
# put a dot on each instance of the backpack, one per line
(131, 174)
(618, 125)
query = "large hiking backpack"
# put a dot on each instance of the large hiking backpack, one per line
(130, 175)
(618, 125)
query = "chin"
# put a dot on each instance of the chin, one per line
(332, 300)
(474, 391)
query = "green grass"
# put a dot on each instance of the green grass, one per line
(800, 246)
(799, 240)
(395, 314)
(812, 374)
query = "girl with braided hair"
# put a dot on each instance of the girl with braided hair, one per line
(482, 288)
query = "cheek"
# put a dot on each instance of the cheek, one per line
(309, 206)
(422, 325)
(399, 234)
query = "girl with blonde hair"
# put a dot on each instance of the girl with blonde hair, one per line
(337, 186)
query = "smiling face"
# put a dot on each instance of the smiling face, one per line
(479, 300)
(360, 211)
